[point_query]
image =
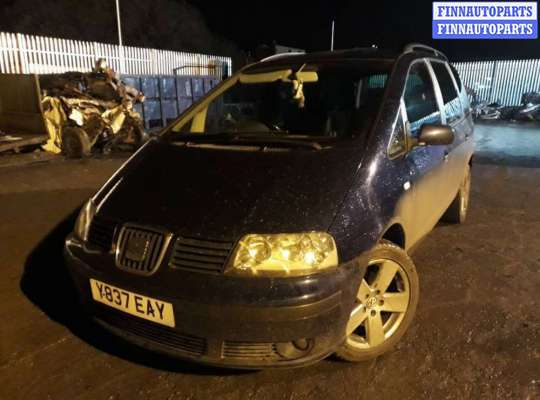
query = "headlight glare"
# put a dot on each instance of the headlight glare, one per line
(84, 220)
(289, 254)
(253, 251)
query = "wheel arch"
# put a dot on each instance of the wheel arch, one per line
(395, 234)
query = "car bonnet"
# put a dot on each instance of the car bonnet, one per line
(224, 193)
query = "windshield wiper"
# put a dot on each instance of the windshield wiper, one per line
(236, 138)
(279, 141)
(201, 137)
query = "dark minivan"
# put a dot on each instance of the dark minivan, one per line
(270, 224)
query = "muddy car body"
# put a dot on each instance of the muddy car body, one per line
(248, 238)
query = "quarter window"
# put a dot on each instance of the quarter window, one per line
(420, 101)
(452, 104)
(398, 143)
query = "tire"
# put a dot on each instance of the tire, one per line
(457, 211)
(131, 137)
(371, 307)
(75, 142)
(140, 137)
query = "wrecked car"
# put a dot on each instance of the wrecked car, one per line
(528, 110)
(88, 112)
(270, 225)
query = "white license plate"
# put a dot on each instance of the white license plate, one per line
(133, 303)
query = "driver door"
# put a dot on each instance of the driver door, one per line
(426, 163)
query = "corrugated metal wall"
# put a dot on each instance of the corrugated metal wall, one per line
(502, 81)
(168, 96)
(26, 54)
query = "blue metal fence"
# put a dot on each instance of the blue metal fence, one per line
(167, 96)
(501, 80)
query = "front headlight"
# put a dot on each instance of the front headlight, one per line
(287, 254)
(84, 220)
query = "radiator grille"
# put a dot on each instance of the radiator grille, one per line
(101, 233)
(247, 350)
(200, 255)
(181, 342)
(140, 250)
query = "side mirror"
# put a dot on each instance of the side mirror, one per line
(435, 135)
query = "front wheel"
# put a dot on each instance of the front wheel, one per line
(385, 304)
(75, 142)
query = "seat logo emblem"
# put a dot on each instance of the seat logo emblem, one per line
(137, 248)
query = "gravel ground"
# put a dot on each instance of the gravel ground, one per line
(476, 334)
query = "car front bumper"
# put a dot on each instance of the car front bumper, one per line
(225, 321)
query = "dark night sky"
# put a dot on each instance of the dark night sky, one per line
(200, 25)
(306, 24)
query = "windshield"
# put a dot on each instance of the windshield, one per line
(294, 102)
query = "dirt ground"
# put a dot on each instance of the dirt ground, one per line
(476, 334)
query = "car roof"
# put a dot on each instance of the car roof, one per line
(359, 53)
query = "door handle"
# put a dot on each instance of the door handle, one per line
(446, 156)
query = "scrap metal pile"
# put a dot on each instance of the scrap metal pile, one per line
(88, 112)
(528, 110)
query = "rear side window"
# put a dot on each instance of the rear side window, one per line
(452, 104)
(377, 81)
(420, 102)
(462, 92)
(456, 77)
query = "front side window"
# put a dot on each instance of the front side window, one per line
(452, 104)
(295, 102)
(420, 101)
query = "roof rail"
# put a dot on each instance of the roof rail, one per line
(281, 55)
(422, 47)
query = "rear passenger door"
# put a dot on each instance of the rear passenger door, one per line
(453, 114)
(426, 163)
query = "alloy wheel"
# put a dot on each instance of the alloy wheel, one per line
(381, 304)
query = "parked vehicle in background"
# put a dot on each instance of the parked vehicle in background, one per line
(484, 111)
(270, 225)
(529, 110)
